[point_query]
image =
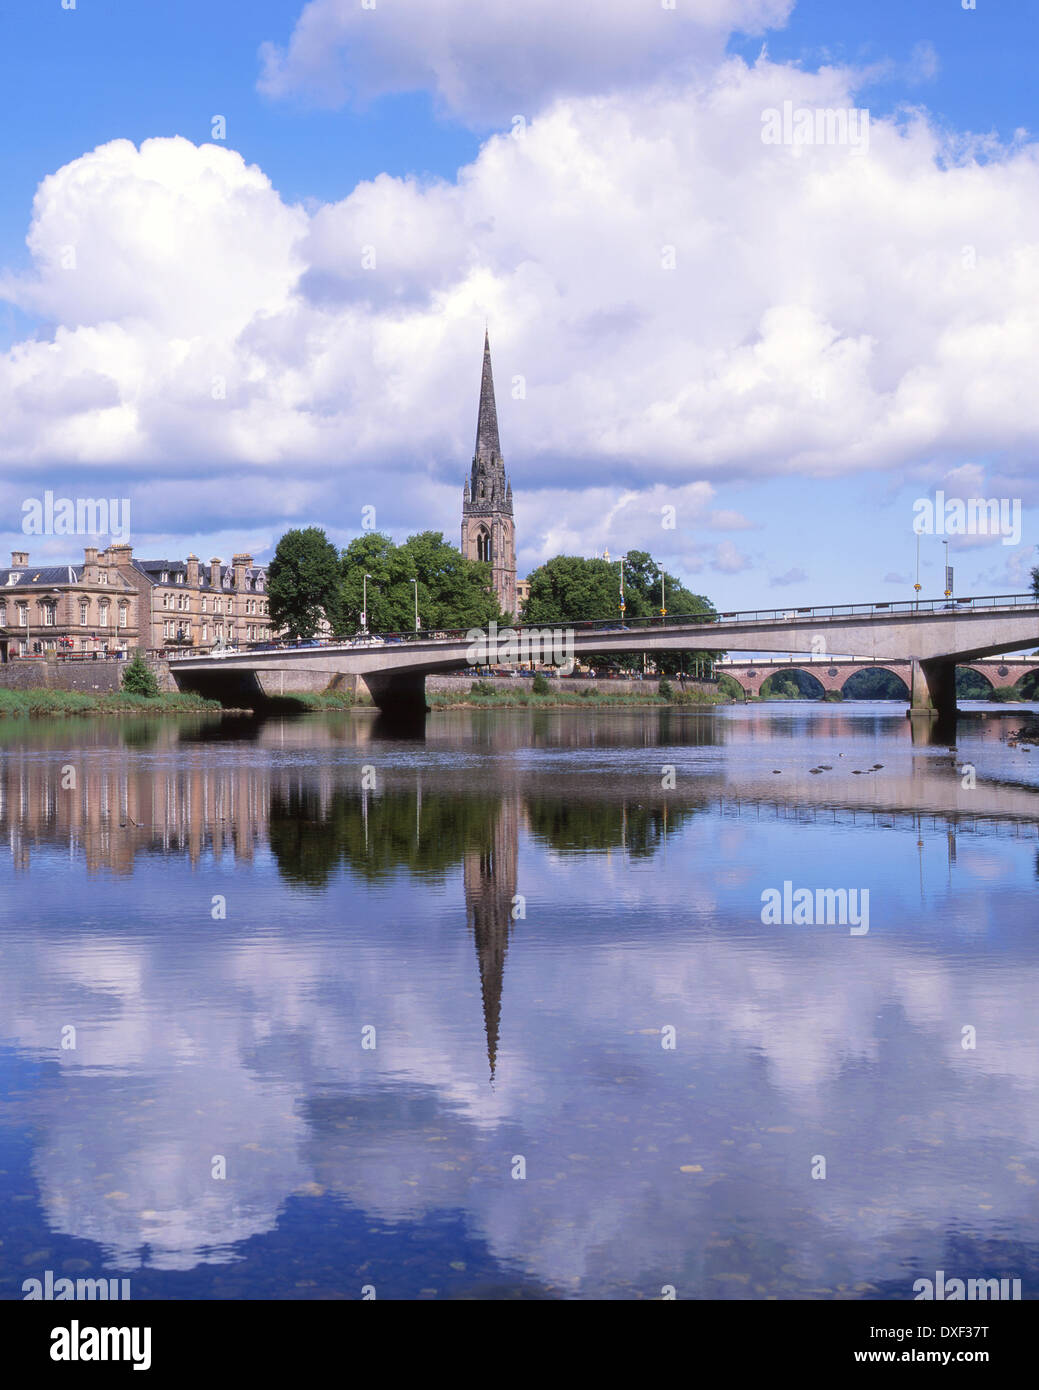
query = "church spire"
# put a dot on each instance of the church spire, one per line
(487, 446)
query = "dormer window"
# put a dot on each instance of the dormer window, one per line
(164, 577)
(13, 578)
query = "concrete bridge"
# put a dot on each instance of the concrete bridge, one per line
(932, 636)
(834, 673)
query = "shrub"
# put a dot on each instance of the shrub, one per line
(666, 690)
(540, 685)
(481, 688)
(833, 697)
(139, 678)
(1004, 693)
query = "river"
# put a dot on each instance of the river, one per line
(294, 1008)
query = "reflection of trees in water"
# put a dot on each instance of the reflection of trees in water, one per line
(312, 835)
(575, 827)
(375, 834)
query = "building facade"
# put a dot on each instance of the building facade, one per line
(113, 603)
(488, 531)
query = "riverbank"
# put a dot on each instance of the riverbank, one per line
(556, 699)
(32, 704)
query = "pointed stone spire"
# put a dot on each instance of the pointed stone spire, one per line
(487, 446)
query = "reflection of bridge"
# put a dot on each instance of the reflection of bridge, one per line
(933, 637)
(834, 673)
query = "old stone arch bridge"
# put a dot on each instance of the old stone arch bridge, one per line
(834, 674)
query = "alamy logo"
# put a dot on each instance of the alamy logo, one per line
(816, 907)
(547, 646)
(940, 1289)
(816, 125)
(973, 516)
(62, 1288)
(76, 516)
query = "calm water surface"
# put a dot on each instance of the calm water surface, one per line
(515, 910)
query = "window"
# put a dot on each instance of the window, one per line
(205, 633)
(124, 609)
(102, 576)
(48, 614)
(3, 614)
(165, 600)
(204, 605)
(164, 577)
(84, 612)
(23, 615)
(102, 609)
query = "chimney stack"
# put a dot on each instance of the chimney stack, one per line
(19, 559)
(214, 572)
(240, 564)
(192, 571)
(90, 565)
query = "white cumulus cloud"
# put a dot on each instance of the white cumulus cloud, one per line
(493, 60)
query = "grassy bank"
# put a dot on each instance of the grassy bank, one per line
(326, 700)
(21, 704)
(559, 699)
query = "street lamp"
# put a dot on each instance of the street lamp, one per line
(918, 529)
(948, 572)
(414, 585)
(623, 604)
(364, 606)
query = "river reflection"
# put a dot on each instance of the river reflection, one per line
(515, 908)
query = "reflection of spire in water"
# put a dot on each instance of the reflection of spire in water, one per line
(489, 876)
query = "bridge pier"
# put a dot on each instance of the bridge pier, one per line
(932, 689)
(400, 694)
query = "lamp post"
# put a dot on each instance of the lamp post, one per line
(916, 586)
(364, 606)
(414, 585)
(623, 605)
(948, 572)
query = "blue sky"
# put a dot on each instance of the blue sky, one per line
(341, 394)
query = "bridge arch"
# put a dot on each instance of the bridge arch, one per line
(852, 686)
(817, 687)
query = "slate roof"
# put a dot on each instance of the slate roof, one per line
(152, 569)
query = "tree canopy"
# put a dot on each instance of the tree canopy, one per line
(303, 583)
(453, 592)
(571, 589)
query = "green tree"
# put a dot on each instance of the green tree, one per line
(453, 592)
(303, 583)
(139, 678)
(570, 589)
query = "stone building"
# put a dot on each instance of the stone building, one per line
(488, 532)
(69, 608)
(113, 603)
(186, 603)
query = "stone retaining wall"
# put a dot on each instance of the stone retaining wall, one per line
(37, 673)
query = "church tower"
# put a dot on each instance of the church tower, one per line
(488, 532)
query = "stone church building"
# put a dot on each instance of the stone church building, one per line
(488, 531)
